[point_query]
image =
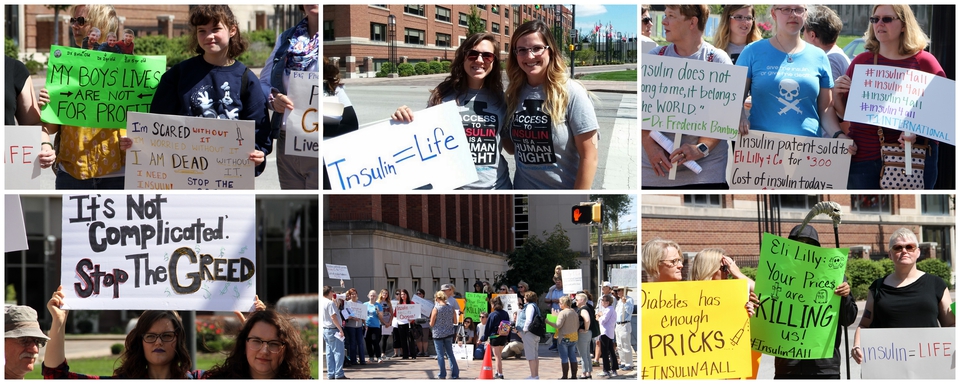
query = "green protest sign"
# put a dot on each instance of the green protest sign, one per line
(798, 312)
(553, 319)
(96, 89)
(476, 303)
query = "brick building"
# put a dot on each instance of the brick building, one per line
(357, 37)
(736, 222)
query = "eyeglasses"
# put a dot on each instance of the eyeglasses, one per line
(792, 11)
(78, 21)
(885, 19)
(255, 344)
(672, 263)
(165, 337)
(396, 293)
(742, 18)
(536, 50)
(908, 247)
(26, 342)
(648, 20)
(487, 56)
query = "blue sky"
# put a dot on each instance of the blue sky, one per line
(623, 17)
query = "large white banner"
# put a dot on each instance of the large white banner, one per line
(184, 252)
(426, 306)
(904, 99)
(433, 150)
(691, 97)
(21, 149)
(180, 152)
(767, 160)
(14, 230)
(303, 137)
(408, 311)
(908, 353)
(572, 280)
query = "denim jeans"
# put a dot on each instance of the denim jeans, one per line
(354, 345)
(568, 351)
(584, 346)
(335, 354)
(444, 347)
(65, 181)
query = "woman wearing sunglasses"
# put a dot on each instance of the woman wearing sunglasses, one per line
(895, 39)
(662, 260)
(791, 79)
(476, 84)
(268, 346)
(738, 27)
(554, 130)
(906, 298)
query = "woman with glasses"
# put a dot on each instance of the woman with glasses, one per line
(791, 80)
(553, 132)
(906, 298)
(476, 85)
(662, 260)
(268, 346)
(738, 27)
(893, 38)
(155, 349)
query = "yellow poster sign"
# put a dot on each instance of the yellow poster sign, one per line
(695, 330)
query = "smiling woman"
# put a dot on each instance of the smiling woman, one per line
(268, 347)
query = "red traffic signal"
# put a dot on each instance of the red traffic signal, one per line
(586, 214)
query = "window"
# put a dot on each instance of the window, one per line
(391, 286)
(496, 28)
(506, 47)
(417, 10)
(702, 200)
(935, 204)
(805, 202)
(506, 31)
(416, 286)
(378, 32)
(436, 285)
(482, 6)
(495, 9)
(328, 30)
(870, 203)
(463, 20)
(443, 14)
(414, 36)
(443, 40)
(521, 220)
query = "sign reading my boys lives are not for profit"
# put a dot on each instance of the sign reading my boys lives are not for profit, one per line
(96, 89)
(768, 160)
(182, 252)
(181, 152)
(798, 313)
(303, 137)
(695, 330)
(904, 99)
(692, 97)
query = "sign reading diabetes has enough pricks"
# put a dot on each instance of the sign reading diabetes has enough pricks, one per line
(158, 251)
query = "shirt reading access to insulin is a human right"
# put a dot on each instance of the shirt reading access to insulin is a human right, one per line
(482, 115)
(545, 150)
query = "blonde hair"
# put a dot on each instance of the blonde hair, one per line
(440, 296)
(554, 86)
(722, 38)
(565, 301)
(912, 40)
(104, 17)
(653, 251)
(706, 264)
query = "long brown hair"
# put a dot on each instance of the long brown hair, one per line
(205, 14)
(133, 361)
(457, 81)
(295, 363)
(555, 85)
(722, 38)
(912, 40)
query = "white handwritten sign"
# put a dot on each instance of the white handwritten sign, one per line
(767, 160)
(624, 277)
(572, 280)
(426, 306)
(692, 97)
(908, 353)
(408, 311)
(356, 308)
(510, 303)
(14, 231)
(904, 99)
(180, 152)
(21, 149)
(303, 138)
(185, 252)
(431, 150)
(335, 271)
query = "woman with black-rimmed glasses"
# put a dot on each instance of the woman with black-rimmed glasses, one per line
(268, 346)
(476, 84)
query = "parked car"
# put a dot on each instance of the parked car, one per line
(854, 48)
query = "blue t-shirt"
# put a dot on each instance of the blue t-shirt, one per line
(785, 93)
(372, 319)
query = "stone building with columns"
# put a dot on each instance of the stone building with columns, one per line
(358, 38)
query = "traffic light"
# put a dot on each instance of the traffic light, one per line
(585, 213)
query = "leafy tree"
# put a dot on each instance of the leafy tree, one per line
(474, 23)
(613, 207)
(535, 261)
(56, 25)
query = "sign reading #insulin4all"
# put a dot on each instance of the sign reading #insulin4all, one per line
(96, 89)
(184, 252)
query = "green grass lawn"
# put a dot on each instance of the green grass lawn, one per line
(843, 40)
(103, 366)
(628, 75)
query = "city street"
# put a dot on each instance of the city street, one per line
(375, 99)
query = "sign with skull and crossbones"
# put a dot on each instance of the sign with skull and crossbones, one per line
(789, 90)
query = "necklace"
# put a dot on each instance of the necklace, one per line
(790, 53)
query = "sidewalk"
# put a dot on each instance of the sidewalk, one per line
(591, 85)
(427, 368)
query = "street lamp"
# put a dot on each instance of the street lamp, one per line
(392, 37)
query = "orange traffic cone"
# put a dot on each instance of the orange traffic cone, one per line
(486, 371)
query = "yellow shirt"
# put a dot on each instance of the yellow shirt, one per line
(87, 153)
